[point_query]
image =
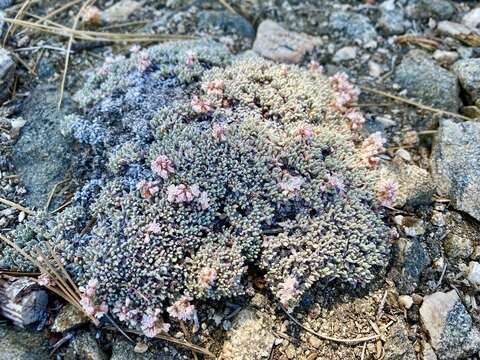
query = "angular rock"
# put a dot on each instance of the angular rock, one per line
(7, 69)
(278, 44)
(391, 19)
(459, 31)
(415, 184)
(427, 81)
(121, 11)
(345, 53)
(472, 18)
(249, 338)
(397, 345)
(473, 275)
(227, 22)
(41, 154)
(411, 260)
(458, 247)
(455, 164)
(84, 346)
(356, 27)
(22, 345)
(449, 326)
(68, 318)
(468, 72)
(437, 9)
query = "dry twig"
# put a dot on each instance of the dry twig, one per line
(16, 206)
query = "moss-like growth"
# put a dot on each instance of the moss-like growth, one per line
(207, 166)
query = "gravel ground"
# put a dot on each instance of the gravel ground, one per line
(422, 60)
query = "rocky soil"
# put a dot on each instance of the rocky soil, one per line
(418, 65)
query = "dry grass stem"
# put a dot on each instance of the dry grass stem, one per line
(20, 13)
(16, 206)
(326, 337)
(414, 103)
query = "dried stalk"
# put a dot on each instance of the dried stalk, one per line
(16, 206)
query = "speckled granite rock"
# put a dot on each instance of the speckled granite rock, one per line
(456, 164)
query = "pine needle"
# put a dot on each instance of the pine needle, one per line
(16, 206)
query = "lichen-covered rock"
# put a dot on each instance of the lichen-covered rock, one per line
(204, 166)
(449, 326)
(437, 9)
(428, 81)
(456, 164)
(84, 346)
(397, 345)
(22, 345)
(68, 318)
(356, 27)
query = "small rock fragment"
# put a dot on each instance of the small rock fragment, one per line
(472, 18)
(445, 57)
(278, 44)
(458, 247)
(392, 18)
(68, 318)
(450, 327)
(397, 346)
(121, 11)
(437, 9)
(356, 27)
(249, 337)
(345, 53)
(474, 273)
(405, 301)
(459, 31)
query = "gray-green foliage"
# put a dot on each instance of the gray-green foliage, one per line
(275, 181)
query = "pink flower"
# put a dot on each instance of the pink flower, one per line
(101, 310)
(201, 106)
(104, 69)
(125, 313)
(335, 182)
(315, 66)
(144, 61)
(45, 280)
(147, 188)
(287, 290)
(219, 132)
(371, 147)
(87, 305)
(182, 193)
(182, 309)
(204, 200)
(305, 132)
(207, 277)
(291, 185)
(90, 289)
(154, 228)
(356, 119)
(162, 166)
(214, 87)
(387, 192)
(134, 49)
(191, 59)
(345, 93)
(151, 325)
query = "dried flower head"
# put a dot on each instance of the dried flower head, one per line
(162, 166)
(387, 192)
(182, 309)
(201, 106)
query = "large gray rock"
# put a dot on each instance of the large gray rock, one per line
(7, 69)
(356, 27)
(249, 338)
(397, 346)
(391, 20)
(41, 154)
(278, 44)
(468, 72)
(427, 81)
(449, 326)
(22, 345)
(456, 164)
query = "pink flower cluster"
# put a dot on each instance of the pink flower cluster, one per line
(200, 106)
(219, 131)
(125, 313)
(287, 291)
(147, 188)
(305, 132)
(387, 192)
(371, 147)
(144, 61)
(162, 166)
(291, 185)
(184, 193)
(345, 92)
(214, 87)
(356, 118)
(104, 69)
(315, 66)
(207, 277)
(335, 182)
(191, 59)
(154, 228)
(87, 301)
(152, 325)
(182, 309)
(45, 280)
